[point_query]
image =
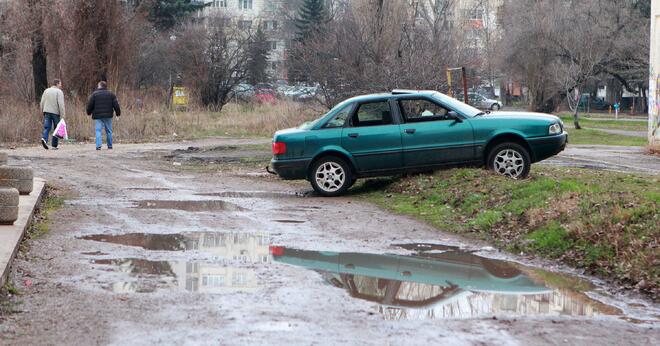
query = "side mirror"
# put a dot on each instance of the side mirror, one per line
(453, 115)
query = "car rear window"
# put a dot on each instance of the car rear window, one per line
(372, 114)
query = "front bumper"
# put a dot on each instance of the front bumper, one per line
(289, 169)
(544, 147)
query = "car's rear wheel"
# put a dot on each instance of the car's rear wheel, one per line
(330, 176)
(495, 107)
(509, 159)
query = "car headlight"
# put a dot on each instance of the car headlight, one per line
(554, 129)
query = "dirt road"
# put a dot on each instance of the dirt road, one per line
(153, 247)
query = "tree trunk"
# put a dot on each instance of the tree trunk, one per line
(39, 61)
(39, 65)
(576, 118)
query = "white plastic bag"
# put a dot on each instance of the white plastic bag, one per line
(60, 130)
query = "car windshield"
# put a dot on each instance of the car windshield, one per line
(310, 124)
(457, 105)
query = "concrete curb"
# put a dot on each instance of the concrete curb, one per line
(11, 236)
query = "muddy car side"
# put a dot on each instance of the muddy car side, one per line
(384, 134)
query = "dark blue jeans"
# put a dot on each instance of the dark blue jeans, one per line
(50, 122)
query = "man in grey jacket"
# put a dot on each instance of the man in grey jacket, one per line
(52, 105)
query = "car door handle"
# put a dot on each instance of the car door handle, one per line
(410, 131)
(353, 135)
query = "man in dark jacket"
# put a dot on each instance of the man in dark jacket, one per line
(100, 106)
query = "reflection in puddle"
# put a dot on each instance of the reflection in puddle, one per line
(221, 244)
(149, 188)
(443, 282)
(254, 194)
(214, 205)
(232, 252)
(289, 221)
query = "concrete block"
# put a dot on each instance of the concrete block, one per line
(8, 215)
(15, 172)
(8, 197)
(24, 186)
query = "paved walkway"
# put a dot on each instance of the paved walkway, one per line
(11, 235)
(607, 157)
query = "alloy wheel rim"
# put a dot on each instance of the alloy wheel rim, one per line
(509, 162)
(330, 176)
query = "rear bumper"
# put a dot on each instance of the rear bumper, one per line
(544, 147)
(290, 169)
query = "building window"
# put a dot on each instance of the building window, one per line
(245, 4)
(213, 280)
(271, 25)
(238, 279)
(272, 45)
(219, 3)
(270, 5)
(244, 25)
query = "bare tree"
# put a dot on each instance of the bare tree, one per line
(213, 60)
(557, 47)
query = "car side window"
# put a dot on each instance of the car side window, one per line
(340, 118)
(373, 114)
(417, 110)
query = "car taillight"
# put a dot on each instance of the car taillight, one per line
(276, 250)
(279, 148)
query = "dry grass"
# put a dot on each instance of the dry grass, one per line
(151, 120)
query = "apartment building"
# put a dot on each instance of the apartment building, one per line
(248, 15)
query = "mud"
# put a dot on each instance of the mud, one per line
(95, 279)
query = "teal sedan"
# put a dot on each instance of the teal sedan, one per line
(404, 131)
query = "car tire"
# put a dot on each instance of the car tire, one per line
(509, 159)
(330, 176)
(495, 107)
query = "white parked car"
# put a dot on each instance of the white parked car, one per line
(482, 102)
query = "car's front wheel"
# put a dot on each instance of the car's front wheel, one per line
(495, 107)
(330, 176)
(509, 159)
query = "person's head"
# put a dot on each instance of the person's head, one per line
(103, 85)
(57, 83)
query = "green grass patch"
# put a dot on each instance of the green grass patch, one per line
(551, 240)
(605, 124)
(50, 202)
(604, 222)
(591, 136)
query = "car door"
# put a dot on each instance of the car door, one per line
(433, 136)
(373, 137)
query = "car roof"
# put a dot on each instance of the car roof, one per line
(394, 94)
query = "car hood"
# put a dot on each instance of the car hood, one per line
(524, 115)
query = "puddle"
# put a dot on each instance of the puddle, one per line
(148, 276)
(232, 268)
(149, 188)
(220, 244)
(444, 282)
(95, 253)
(254, 194)
(194, 206)
(289, 221)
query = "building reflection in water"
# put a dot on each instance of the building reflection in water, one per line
(232, 268)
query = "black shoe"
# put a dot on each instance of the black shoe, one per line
(44, 144)
(55, 148)
(109, 148)
(98, 148)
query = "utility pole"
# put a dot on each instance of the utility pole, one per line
(654, 77)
